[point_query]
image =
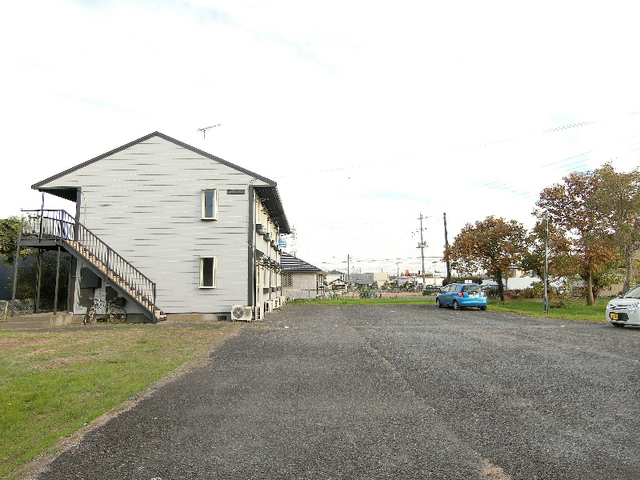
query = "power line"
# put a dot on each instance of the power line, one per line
(541, 132)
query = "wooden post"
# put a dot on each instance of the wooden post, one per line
(39, 283)
(55, 298)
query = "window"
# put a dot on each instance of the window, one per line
(472, 289)
(208, 272)
(210, 204)
(287, 281)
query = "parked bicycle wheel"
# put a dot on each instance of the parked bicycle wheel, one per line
(90, 316)
(116, 315)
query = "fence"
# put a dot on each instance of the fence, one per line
(22, 307)
(299, 293)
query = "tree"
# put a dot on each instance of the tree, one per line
(493, 245)
(545, 241)
(618, 198)
(581, 221)
(9, 229)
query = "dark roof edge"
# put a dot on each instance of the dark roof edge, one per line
(292, 263)
(37, 186)
(278, 213)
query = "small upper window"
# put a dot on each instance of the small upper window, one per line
(208, 272)
(210, 204)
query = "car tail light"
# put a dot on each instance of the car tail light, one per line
(461, 294)
(484, 294)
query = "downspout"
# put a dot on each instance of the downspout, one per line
(73, 269)
(251, 268)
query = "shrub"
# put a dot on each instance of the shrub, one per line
(537, 289)
(527, 293)
(493, 293)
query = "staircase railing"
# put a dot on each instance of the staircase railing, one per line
(60, 224)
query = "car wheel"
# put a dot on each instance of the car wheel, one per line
(483, 308)
(619, 325)
(456, 306)
(438, 304)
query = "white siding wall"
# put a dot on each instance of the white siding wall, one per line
(145, 202)
(303, 285)
(269, 280)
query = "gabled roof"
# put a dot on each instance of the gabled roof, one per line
(293, 264)
(268, 194)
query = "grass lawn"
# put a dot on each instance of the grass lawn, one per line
(569, 309)
(53, 383)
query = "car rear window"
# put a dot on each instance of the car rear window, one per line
(471, 289)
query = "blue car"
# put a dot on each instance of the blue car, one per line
(459, 295)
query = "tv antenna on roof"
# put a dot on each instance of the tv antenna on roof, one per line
(204, 130)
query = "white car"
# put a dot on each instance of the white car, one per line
(625, 309)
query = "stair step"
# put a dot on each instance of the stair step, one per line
(112, 276)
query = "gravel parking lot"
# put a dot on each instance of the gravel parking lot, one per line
(393, 391)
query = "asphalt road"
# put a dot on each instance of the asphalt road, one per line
(368, 392)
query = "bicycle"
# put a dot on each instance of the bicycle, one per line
(107, 311)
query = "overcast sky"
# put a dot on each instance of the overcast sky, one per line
(366, 113)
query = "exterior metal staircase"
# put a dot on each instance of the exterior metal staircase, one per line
(57, 227)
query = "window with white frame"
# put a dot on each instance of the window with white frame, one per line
(210, 204)
(208, 267)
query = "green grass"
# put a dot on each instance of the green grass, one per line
(571, 309)
(53, 383)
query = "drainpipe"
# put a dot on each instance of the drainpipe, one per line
(251, 268)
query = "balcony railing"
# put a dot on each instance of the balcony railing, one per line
(58, 224)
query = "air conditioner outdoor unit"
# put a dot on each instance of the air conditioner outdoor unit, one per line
(276, 302)
(241, 313)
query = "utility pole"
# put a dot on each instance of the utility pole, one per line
(421, 246)
(446, 250)
(348, 271)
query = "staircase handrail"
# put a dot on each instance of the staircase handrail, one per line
(60, 224)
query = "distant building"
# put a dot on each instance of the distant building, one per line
(369, 278)
(300, 279)
(334, 275)
(338, 285)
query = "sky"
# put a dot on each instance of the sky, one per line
(367, 114)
